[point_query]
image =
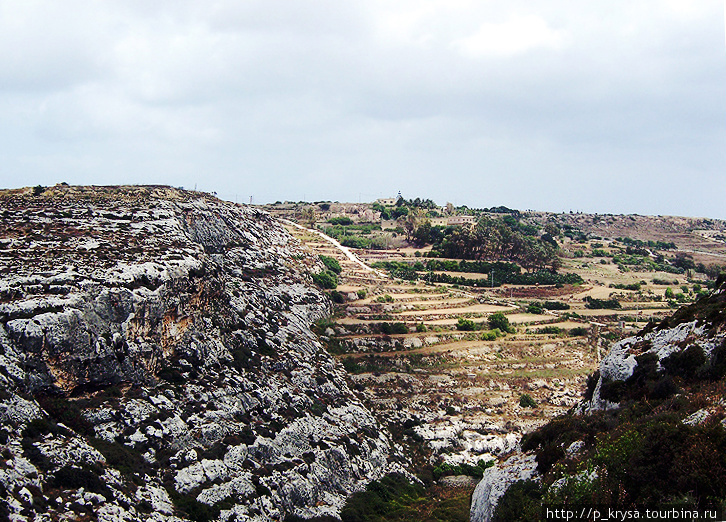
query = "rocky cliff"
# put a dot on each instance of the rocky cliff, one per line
(157, 363)
(651, 429)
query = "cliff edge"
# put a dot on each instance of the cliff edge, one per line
(157, 363)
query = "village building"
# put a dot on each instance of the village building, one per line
(461, 220)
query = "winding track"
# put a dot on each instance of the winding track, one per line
(350, 255)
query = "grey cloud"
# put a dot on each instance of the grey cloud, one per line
(335, 99)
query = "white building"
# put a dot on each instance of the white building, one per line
(461, 220)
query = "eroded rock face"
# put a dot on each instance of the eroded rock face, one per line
(690, 346)
(156, 361)
(495, 483)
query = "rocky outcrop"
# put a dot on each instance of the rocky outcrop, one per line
(157, 362)
(495, 482)
(610, 456)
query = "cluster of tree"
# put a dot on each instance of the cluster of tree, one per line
(502, 210)
(539, 277)
(476, 267)
(498, 272)
(417, 203)
(539, 308)
(686, 262)
(657, 245)
(602, 304)
(493, 239)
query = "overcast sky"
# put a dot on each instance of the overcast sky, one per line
(601, 106)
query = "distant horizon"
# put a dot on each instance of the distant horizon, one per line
(597, 107)
(235, 198)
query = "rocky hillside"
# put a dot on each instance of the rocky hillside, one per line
(650, 431)
(157, 363)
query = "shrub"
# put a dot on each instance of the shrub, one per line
(399, 328)
(555, 305)
(337, 297)
(500, 321)
(362, 293)
(331, 264)
(420, 327)
(521, 501)
(685, 363)
(526, 401)
(119, 456)
(600, 304)
(535, 308)
(550, 330)
(67, 412)
(491, 335)
(70, 477)
(466, 325)
(387, 497)
(326, 279)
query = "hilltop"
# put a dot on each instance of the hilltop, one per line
(157, 363)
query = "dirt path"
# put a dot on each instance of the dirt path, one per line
(345, 250)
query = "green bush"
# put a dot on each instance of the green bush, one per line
(337, 297)
(326, 279)
(331, 264)
(535, 308)
(476, 471)
(343, 221)
(390, 497)
(521, 502)
(490, 335)
(500, 321)
(550, 330)
(466, 325)
(399, 328)
(555, 305)
(602, 304)
(526, 401)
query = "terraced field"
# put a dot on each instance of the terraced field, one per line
(448, 394)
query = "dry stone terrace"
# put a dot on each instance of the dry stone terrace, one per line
(445, 394)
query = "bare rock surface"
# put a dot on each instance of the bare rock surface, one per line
(157, 362)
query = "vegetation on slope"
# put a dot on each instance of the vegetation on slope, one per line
(664, 445)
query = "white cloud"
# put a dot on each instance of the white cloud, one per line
(519, 34)
(369, 96)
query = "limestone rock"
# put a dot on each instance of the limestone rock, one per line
(496, 481)
(156, 345)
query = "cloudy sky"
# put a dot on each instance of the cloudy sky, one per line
(603, 106)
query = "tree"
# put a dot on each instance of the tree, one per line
(309, 216)
(500, 321)
(411, 221)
